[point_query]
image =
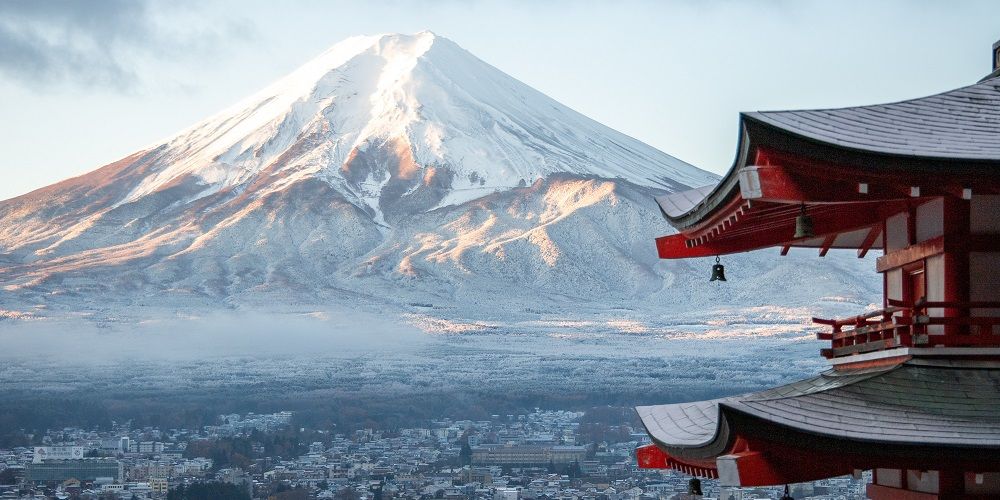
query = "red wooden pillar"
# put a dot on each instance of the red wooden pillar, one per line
(885, 277)
(957, 230)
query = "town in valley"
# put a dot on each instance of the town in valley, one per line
(536, 455)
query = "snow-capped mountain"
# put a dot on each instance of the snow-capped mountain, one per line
(392, 168)
(401, 124)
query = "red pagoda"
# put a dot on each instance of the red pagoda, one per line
(913, 390)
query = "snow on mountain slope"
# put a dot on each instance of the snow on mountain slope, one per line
(394, 169)
(445, 118)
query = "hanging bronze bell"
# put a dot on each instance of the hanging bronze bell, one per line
(803, 225)
(718, 271)
(787, 495)
(694, 486)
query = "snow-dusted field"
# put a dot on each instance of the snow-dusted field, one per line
(639, 356)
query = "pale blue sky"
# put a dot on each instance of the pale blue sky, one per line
(85, 83)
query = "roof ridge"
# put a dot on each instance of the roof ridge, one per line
(890, 103)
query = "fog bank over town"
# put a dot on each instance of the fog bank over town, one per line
(212, 335)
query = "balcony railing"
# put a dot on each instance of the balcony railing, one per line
(923, 324)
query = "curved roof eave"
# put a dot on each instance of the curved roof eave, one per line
(921, 404)
(714, 197)
(957, 125)
(702, 434)
(701, 429)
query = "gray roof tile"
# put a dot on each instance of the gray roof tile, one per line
(910, 403)
(958, 124)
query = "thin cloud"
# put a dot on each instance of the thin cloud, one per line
(99, 43)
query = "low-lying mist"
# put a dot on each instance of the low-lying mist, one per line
(204, 337)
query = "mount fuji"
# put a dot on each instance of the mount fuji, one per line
(392, 172)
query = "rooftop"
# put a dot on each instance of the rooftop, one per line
(918, 402)
(959, 124)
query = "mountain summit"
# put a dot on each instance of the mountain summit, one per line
(399, 123)
(393, 168)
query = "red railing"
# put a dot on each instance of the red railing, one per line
(923, 324)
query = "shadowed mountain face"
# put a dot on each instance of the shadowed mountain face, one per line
(391, 169)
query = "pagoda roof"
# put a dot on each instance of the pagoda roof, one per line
(850, 168)
(959, 124)
(917, 403)
(902, 141)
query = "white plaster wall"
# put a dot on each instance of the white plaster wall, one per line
(930, 220)
(934, 282)
(894, 284)
(895, 228)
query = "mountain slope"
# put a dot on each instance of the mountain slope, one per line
(395, 123)
(394, 169)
